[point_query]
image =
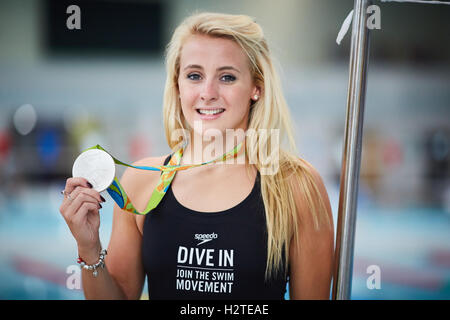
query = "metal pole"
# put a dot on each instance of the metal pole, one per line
(351, 159)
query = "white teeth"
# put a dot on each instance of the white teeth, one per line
(215, 111)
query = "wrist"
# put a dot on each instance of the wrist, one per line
(89, 254)
(94, 267)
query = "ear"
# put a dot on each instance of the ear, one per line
(256, 92)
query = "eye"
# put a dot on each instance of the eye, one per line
(229, 78)
(193, 76)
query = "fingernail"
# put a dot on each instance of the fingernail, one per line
(103, 199)
(89, 185)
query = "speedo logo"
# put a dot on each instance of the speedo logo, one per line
(205, 237)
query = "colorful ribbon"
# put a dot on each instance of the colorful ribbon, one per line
(117, 192)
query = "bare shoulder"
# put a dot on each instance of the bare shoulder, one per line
(139, 185)
(134, 179)
(312, 172)
(312, 188)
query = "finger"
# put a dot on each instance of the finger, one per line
(83, 211)
(93, 193)
(74, 206)
(70, 196)
(72, 183)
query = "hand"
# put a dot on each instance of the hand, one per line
(80, 209)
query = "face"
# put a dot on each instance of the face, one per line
(215, 77)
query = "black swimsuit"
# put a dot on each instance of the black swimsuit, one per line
(209, 255)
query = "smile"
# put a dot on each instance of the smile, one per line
(210, 111)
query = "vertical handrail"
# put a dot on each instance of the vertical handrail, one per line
(351, 159)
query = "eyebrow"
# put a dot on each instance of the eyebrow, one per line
(196, 66)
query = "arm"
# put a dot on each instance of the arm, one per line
(124, 262)
(123, 276)
(80, 209)
(312, 260)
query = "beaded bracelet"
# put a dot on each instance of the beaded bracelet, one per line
(100, 263)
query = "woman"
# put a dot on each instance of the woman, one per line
(222, 231)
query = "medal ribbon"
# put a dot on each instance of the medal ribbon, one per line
(117, 192)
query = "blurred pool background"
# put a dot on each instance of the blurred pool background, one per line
(64, 90)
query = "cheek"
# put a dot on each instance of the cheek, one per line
(187, 93)
(238, 99)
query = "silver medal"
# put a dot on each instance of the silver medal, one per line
(97, 167)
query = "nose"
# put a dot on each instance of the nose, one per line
(209, 91)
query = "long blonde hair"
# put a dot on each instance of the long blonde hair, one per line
(269, 112)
